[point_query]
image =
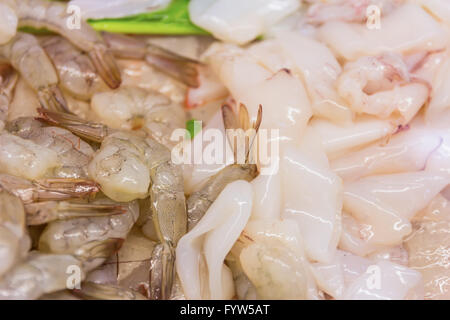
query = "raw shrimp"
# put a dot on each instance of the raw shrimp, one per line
(54, 16)
(199, 201)
(91, 239)
(381, 86)
(181, 68)
(38, 274)
(24, 158)
(8, 21)
(48, 189)
(272, 257)
(73, 153)
(129, 167)
(48, 211)
(14, 240)
(27, 56)
(77, 74)
(8, 80)
(132, 108)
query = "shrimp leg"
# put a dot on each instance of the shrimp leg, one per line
(163, 184)
(27, 56)
(54, 16)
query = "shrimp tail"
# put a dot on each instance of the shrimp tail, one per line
(89, 130)
(162, 271)
(63, 189)
(181, 68)
(44, 212)
(51, 98)
(178, 67)
(106, 66)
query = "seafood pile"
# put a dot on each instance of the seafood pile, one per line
(318, 167)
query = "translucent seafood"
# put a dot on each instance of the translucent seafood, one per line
(181, 68)
(129, 167)
(54, 16)
(24, 158)
(9, 21)
(48, 189)
(73, 153)
(381, 86)
(14, 240)
(133, 108)
(38, 274)
(25, 54)
(77, 74)
(199, 201)
(207, 244)
(92, 238)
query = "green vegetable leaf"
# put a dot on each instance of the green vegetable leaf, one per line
(193, 127)
(173, 20)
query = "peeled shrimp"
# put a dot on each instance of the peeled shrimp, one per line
(14, 240)
(129, 167)
(53, 16)
(73, 153)
(38, 274)
(91, 239)
(24, 158)
(273, 259)
(77, 74)
(132, 108)
(27, 56)
(8, 21)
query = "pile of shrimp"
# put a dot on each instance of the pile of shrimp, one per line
(353, 204)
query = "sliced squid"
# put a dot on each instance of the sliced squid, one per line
(312, 62)
(353, 40)
(407, 150)
(388, 202)
(210, 241)
(237, 21)
(313, 198)
(338, 139)
(350, 277)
